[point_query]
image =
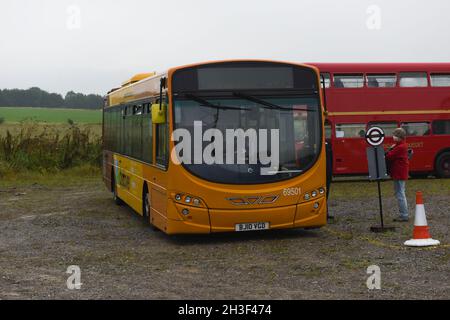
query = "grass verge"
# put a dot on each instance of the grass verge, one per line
(70, 177)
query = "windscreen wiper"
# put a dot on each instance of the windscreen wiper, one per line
(267, 103)
(206, 103)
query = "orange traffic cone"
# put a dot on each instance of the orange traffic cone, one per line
(421, 234)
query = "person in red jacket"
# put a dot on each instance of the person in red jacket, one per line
(398, 163)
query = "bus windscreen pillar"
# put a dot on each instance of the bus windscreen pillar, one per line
(377, 169)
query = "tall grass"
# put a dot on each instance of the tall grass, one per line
(48, 149)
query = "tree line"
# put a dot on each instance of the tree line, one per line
(35, 98)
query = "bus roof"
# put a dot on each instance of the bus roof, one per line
(141, 86)
(145, 85)
(381, 67)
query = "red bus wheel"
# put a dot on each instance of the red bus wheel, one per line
(443, 165)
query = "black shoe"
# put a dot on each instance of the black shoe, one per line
(401, 219)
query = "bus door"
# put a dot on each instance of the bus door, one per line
(416, 138)
(349, 149)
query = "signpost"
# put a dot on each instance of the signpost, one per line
(377, 168)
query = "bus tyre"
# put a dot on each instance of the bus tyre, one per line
(116, 198)
(146, 211)
(443, 165)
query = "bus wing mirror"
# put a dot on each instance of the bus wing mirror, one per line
(158, 113)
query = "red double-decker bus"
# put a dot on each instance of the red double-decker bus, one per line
(415, 96)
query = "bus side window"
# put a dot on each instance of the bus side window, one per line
(388, 127)
(414, 129)
(327, 77)
(348, 80)
(162, 141)
(440, 80)
(128, 126)
(381, 80)
(147, 134)
(441, 127)
(413, 79)
(352, 130)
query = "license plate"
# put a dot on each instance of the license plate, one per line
(242, 227)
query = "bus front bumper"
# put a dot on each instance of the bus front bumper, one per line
(305, 215)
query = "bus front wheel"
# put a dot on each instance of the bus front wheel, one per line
(443, 165)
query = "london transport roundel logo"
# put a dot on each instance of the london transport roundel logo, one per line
(375, 136)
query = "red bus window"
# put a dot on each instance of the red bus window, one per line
(353, 130)
(388, 127)
(415, 129)
(413, 79)
(381, 80)
(441, 127)
(326, 76)
(348, 80)
(440, 80)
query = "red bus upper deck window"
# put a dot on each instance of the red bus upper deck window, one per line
(413, 79)
(348, 80)
(440, 80)
(327, 77)
(381, 80)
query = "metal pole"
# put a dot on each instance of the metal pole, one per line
(381, 204)
(379, 187)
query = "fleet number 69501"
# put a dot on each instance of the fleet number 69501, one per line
(291, 192)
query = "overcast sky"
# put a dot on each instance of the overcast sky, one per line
(91, 46)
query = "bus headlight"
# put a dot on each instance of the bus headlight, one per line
(314, 194)
(321, 190)
(188, 200)
(307, 196)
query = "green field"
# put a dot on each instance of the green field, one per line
(16, 114)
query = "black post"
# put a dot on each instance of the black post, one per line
(381, 204)
(375, 137)
(379, 188)
(382, 227)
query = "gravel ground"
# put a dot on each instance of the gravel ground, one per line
(45, 229)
